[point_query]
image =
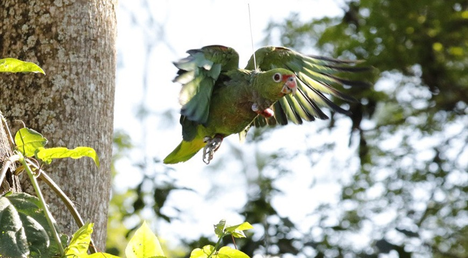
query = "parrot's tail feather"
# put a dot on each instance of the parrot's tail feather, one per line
(185, 151)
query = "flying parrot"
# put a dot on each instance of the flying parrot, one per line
(278, 84)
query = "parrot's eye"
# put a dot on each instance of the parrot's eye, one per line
(277, 77)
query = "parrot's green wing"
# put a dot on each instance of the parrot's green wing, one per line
(316, 78)
(198, 74)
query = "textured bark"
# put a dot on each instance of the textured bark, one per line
(74, 42)
(10, 182)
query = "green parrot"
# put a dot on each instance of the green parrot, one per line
(278, 84)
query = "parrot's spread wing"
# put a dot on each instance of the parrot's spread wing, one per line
(198, 74)
(315, 78)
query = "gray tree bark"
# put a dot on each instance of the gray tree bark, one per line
(9, 182)
(72, 105)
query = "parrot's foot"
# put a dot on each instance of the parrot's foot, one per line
(212, 145)
(266, 112)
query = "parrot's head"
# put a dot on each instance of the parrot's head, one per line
(290, 85)
(277, 82)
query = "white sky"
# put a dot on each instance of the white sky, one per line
(188, 24)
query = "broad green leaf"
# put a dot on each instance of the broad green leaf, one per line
(208, 249)
(198, 253)
(237, 230)
(144, 244)
(13, 65)
(47, 155)
(28, 141)
(224, 252)
(219, 228)
(80, 242)
(24, 231)
(100, 255)
(229, 252)
(202, 253)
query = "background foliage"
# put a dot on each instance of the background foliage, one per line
(412, 127)
(404, 190)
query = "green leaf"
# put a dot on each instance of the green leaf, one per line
(144, 244)
(101, 255)
(24, 231)
(47, 155)
(229, 252)
(31, 143)
(224, 252)
(80, 242)
(208, 249)
(198, 253)
(202, 253)
(13, 65)
(237, 230)
(28, 141)
(219, 228)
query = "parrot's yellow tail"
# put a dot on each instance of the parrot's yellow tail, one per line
(184, 151)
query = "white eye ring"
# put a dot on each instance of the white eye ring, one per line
(277, 77)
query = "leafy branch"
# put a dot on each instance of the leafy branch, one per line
(222, 230)
(26, 222)
(19, 228)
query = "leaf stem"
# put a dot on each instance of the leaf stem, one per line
(70, 206)
(47, 213)
(217, 244)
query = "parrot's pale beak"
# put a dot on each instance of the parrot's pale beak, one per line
(290, 87)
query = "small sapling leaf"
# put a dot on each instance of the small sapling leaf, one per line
(238, 230)
(80, 242)
(229, 252)
(219, 228)
(13, 65)
(29, 142)
(47, 155)
(144, 244)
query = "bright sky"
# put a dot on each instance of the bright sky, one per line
(186, 24)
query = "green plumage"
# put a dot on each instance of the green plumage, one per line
(230, 109)
(219, 99)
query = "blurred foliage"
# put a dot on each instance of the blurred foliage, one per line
(404, 191)
(127, 206)
(411, 128)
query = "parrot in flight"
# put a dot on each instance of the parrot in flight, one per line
(278, 84)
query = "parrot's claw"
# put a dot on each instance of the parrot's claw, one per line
(212, 145)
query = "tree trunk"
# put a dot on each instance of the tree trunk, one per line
(10, 182)
(74, 42)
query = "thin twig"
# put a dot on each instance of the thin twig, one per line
(3, 120)
(6, 165)
(12, 159)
